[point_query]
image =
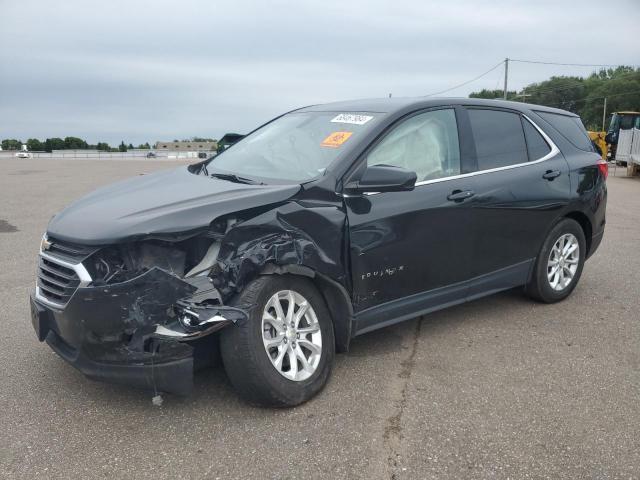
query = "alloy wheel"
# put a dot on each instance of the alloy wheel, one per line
(563, 262)
(291, 335)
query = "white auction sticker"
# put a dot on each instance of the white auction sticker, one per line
(352, 118)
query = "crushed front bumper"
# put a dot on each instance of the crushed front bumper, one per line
(139, 333)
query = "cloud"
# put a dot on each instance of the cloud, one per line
(145, 71)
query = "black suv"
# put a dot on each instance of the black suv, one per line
(326, 223)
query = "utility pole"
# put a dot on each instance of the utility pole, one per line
(506, 76)
(604, 113)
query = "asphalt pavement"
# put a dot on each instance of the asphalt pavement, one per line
(498, 388)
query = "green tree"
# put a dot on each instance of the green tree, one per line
(11, 144)
(122, 147)
(498, 94)
(584, 96)
(130, 146)
(55, 143)
(75, 143)
(560, 92)
(35, 145)
(104, 147)
(621, 88)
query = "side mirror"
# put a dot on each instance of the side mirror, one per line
(384, 178)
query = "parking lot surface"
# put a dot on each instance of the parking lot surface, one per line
(498, 388)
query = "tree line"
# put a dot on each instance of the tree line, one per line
(582, 95)
(75, 143)
(68, 143)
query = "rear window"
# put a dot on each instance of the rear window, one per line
(536, 144)
(498, 137)
(571, 128)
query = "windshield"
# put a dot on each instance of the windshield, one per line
(626, 122)
(296, 146)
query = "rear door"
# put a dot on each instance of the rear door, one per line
(521, 185)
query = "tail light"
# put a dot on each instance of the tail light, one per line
(604, 169)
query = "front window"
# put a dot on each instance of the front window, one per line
(426, 144)
(296, 147)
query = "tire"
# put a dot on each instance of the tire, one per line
(251, 369)
(541, 287)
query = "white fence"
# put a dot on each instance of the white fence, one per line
(96, 155)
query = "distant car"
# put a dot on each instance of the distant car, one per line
(327, 223)
(23, 155)
(151, 155)
(202, 155)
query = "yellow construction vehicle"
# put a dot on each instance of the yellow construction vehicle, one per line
(601, 145)
(606, 142)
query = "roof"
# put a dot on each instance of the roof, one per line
(627, 113)
(399, 104)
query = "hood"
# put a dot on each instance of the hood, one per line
(159, 204)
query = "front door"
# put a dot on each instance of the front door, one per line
(406, 246)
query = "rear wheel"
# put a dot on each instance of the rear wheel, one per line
(282, 356)
(559, 264)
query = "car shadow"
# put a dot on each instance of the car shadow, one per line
(384, 340)
(212, 387)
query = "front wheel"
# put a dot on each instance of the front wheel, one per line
(559, 263)
(282, 356)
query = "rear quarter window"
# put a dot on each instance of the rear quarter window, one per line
(537, 147)
(570, 128)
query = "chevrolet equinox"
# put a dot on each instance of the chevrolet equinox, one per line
(327, 222)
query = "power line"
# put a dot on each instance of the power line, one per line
(541, 89)
(502, 62)
(468, 81)
(588, 99)
(572, 64)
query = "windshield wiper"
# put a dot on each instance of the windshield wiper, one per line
(232, 177)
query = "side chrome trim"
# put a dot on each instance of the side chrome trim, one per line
(554, 151)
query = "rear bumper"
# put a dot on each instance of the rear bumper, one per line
(596, 240)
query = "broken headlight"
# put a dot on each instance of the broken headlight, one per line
(119, 263)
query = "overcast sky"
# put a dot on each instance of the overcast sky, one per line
(139, 71)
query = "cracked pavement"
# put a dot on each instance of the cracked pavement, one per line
(498, 388)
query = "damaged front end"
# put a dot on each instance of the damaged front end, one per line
(133, 313)
(130, 289)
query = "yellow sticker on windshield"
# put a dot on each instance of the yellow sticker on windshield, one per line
(336, 139)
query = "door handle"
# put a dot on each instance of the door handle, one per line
(551, 174)
(460, 195)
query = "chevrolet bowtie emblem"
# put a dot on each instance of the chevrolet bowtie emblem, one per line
(45, 244)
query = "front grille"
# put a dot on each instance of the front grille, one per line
(60, 270)
(56, 282)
